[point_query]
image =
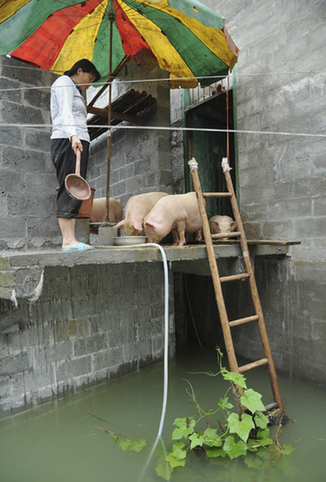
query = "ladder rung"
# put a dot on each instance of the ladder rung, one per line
(226, 235)
(241, 321)
(234, 277)
(250, 366)
(217, 194)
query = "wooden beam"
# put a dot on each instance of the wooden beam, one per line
(116, 115)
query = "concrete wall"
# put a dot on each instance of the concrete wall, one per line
(27, 177)
(140, 158)
(90, 324)
(281, 89)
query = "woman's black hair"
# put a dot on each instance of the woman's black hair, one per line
(86, 66)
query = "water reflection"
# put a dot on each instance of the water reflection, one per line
(59, 441)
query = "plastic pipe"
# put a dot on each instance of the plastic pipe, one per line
(166, 353)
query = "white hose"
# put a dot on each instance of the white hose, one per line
(166, 353)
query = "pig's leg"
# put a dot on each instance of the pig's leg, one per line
(175, 237)
(181, 227)
(198, 235)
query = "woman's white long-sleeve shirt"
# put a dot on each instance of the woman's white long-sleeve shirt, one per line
(68, 110)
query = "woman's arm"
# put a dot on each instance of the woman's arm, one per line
(65, 96)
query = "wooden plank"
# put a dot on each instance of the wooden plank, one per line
(241, 321)
(279, 242)
(256, 364)
(234, 277)
(114, 114)
(271, 242)
(216, 194)
(226, 235)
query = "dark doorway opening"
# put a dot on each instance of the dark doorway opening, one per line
(209, 147)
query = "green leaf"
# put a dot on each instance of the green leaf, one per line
(261, 420)
(265, 441)
(179, 433)
(264, 453)
(185, 427)
(241, 428)
(163, 469)
(252, 400)
(184, 422)
(262, 433)
(175, 461)
(224, 403)
(234, 449)
(125, 444)
(228, 443)
(252, 462)
(178, 451)
(196, 440)
(252, 445)
(212, 452)
(236, 378)
(138, 445)
(288, 449)
(212, 438)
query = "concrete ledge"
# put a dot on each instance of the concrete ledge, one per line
(22, 273)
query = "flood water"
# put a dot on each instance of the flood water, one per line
(59, 441)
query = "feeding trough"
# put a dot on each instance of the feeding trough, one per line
(129, 240)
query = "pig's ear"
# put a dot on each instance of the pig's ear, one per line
(233, 224)
(138, 225)
(149, 226)
(215, 223)
(120, 224)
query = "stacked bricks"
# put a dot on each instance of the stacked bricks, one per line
(27, 177)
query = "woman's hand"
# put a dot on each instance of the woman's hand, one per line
(76, 144)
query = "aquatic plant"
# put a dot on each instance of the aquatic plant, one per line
(241, 431)
(243, 434)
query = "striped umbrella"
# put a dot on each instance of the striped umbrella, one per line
(187, 39)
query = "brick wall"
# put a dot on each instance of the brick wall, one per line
(81, 331)
(27, 177)
(140, 158)
(281, 88)
(282, 182)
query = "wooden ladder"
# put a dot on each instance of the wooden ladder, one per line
(249, 275)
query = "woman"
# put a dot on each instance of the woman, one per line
(69, 133)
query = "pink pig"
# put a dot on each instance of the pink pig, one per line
(99, 210)
(137, 208)
(222, 224)
(178, 213)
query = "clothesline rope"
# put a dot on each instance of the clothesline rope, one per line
(134, 81)
(171, 128)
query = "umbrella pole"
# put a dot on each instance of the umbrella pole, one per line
(111, 16)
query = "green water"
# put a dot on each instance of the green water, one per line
(59, 441)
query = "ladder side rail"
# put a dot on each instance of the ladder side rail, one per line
(215, 274)
(254, 290)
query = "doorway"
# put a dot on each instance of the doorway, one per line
(209, 147)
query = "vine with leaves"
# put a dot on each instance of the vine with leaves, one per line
(242, 430)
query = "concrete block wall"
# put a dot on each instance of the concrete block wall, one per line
(281, 90)
(140, 158)
(27, 177)
(90, 332)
